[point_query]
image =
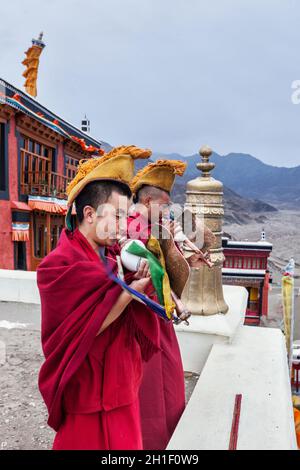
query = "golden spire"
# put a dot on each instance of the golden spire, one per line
(203, 294)
(32, 65)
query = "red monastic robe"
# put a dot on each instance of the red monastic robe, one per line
(90, 383)
(162, 392)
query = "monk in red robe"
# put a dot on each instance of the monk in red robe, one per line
(162, 393)
(94, 336)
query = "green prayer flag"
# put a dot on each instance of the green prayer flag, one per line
(156, 269)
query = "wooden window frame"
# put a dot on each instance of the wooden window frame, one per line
(4, 193)
(35, 168)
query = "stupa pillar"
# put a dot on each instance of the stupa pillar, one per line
(203, 294)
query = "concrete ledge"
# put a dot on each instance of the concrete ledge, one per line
(18, 286)
(254, 365)
(204, 331)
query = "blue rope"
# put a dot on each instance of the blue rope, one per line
(154, 306)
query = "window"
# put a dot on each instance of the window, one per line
(56, 227)
(40, 234)
(45, 242)
(255, 263)
(3, 160)
(238, 263)
(229, 262)
(20, 255)
(71, 167)
(37, 162)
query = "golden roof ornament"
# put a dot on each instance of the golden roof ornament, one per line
(31, 63)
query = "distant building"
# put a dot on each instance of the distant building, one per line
(246, 264)
(39, 154)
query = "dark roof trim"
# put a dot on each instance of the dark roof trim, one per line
(244, 276)
(31, 107)
(245, 247)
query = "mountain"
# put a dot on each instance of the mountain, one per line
(250, 177)
(251, 187)
(242, 210)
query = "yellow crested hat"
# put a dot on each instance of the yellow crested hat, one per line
(116, 165)
(160, 174)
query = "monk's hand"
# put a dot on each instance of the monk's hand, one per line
(143, 271)
(197, 259)
(140, 284)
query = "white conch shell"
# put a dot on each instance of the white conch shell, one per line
(130, 261)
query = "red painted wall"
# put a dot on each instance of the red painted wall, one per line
(7, 246)
(247, 253)
(60, 158)
(6, 243)
(265, 294)
(13, 161)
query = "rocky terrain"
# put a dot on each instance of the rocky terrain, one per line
(282, 229)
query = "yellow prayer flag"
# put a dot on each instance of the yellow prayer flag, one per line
(32, 65)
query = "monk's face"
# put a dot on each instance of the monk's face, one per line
(157, 206)
(111, 219)
(102, 226)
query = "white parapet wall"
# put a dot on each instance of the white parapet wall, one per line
(18, 286)
(253, 364)
(197, 339)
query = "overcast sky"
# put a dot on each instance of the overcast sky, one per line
(167, 74)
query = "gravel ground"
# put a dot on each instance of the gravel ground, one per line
(23, 416)
(282, 230)
(22, 411)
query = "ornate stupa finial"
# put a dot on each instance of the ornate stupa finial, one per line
(205, 166)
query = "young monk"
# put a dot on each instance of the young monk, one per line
(94, 336)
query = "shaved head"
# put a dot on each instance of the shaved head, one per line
(150, 200)
(151, 192)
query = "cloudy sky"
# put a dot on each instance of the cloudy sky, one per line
(168, 74)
